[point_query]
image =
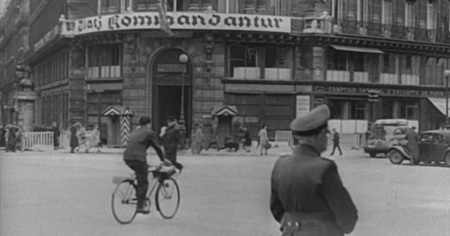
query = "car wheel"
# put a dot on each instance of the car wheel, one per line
(396, 157)
(447, 158)
(372, 154)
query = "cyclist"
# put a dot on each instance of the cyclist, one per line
(135, 156)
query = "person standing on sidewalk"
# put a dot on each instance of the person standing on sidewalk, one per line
(263, 140)
(336, 142)
(135, 157)
(307, 193)
(56, 134)
(171, 137)
(73, 137)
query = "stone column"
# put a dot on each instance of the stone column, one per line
(77, 84)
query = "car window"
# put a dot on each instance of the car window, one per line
(426, 138)
(438, 138)
(399, 131)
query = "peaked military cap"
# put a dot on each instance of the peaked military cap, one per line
(312, 122)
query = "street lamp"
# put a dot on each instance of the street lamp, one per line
(447, 78)
(183, 59)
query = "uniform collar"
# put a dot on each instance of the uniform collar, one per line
(306, 149)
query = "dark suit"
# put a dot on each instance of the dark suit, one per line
(307, 188)
(135, 156)
(170, 141)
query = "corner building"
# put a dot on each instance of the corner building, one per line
(249, 62)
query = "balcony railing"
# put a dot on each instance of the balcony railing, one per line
(390, 31)
(327, 25)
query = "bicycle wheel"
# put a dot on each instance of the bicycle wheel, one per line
(124, 202)
(167, 198)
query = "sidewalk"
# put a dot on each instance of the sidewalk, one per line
(276, 151)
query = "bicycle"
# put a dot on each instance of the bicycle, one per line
(124, 201)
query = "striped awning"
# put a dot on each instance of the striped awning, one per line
(224, 111)
(118, 111)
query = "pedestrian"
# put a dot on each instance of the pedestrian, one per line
(2, 136)
(93, 140)
(56, 134)
(264, 144)
(412, 146)
(82, 136)
(73, 137)
(336, 141)
(135, 157)
(307, 193)
(11, 138)
(19, 138)
(198, 140)
(171, 136)
(246, 139)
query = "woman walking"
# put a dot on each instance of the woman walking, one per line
(263, 140)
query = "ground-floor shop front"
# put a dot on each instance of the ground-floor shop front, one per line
(277, 105)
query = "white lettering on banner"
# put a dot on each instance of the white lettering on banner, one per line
(184, 20)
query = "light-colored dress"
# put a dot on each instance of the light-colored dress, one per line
(263, 140)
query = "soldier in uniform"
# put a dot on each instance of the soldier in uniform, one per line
(307, 194)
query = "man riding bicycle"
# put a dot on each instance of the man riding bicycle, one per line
(135, 156)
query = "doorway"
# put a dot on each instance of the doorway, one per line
(169, 97)
(169, 76)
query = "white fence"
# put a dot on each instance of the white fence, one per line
(355, 140)
(37, 139)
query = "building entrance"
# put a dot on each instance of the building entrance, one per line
(169, 97)
(172, 80)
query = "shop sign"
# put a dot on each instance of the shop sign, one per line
(364, 91)
(302, 105)
(183, 21)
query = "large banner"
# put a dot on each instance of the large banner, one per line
(182, 21)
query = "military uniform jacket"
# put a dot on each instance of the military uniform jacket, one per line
(306, 183)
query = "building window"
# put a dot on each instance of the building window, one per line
(408, 110)
(109, 6)
(387, 12)
(145, 5)
(337, 9)
(104, 61)
(409, 14)
(408, 62)
(363, 11)
(175, 5)
(388, 62)
(256, 62)
(431, 14)
(281, 7)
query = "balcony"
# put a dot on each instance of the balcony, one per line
(348, 27)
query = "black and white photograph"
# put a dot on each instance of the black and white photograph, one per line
(225, 117)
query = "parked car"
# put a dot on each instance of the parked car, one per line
(434, 146)
(387, 133)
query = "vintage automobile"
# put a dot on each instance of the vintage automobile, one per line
(387, 133)
(434, 146)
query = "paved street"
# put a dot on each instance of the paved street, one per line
(54, 193)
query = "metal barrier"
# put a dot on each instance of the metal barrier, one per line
(283, 137)
(355, 141)
(37, 139)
